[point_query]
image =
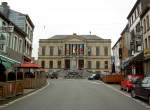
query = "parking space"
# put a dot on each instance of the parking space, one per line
(116, 87)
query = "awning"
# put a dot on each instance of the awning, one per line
(29, 65)
(7, 62)
(137, 57)
(6, 59)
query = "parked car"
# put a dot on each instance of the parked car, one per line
(94, 77)
(54, 75)
(142, 89)
(128, 82)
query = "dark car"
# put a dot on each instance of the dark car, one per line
(142, 89)
(54, 75)
(94, 77)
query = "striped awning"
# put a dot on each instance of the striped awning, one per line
(8, 62)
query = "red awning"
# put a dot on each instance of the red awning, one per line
(29, 65)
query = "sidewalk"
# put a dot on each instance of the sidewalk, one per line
(117, 87)
(7, 100)
(27, 91)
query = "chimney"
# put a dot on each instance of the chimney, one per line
(4, 8)
(4, 3)
(74, 34)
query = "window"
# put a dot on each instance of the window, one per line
(146, 43)
(3, 23)
(15, 43)
(106, 64)
(20, 46)
(59, 51)
(132, 18)
(144, 23)
(97, 51)
(50, 64)
(130, 21)
(43, 64)
(106, 51)
(43, 50)
(97, 64)
(89, 51)
(89, 64)
(2, 47)
(67, 49)
(138, 10)
(59, 64)
(81, 47)
(25, 46)
(9, 40)
(138, 27)
(135, 14)
(51, 51)
(147, 22)
(2, 37)
(149, 41)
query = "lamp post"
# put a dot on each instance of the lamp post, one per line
(141, 30)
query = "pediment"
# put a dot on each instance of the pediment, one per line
(75, 39)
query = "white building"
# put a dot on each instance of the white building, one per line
(115, 50)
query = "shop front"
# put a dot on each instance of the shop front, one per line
(11, 80)
(134, 65)
(147, 61)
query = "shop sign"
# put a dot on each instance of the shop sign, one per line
(7, 29)
(147, 51)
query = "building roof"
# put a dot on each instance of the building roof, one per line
(26, 15)
(117, 42)
(125, 29)
(88, 37)
(30, 21)
(16, 28)
(145, 11)
(135, 5)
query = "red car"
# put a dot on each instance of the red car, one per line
(127, 83)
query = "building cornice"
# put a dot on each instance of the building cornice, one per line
(63, 41)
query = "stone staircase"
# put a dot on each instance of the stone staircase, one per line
(83, 73)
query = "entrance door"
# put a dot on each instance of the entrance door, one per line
(67, 64)
(80, 64)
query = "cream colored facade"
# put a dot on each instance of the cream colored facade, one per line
(75, 52)
(145, 19)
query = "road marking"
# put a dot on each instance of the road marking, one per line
(127, 95)
(21, 98)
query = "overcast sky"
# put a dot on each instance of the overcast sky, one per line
(105, 18)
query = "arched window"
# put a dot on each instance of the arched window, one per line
(2, 37)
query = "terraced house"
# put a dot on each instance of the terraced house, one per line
(75, 52)
(24, 22)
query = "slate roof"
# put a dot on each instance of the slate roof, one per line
(82, 36)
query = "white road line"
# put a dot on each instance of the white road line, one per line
(127, 95)
(21, 98)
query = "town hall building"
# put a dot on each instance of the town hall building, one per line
(88, 52)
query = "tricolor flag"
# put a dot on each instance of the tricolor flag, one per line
(81, 48)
